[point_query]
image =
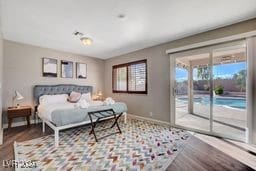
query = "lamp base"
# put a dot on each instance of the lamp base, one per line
(18, 106)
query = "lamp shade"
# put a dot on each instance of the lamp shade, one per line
(18, 96)
(99, 93)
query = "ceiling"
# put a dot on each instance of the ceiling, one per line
(50, 23)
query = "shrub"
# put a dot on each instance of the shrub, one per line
(219, 90)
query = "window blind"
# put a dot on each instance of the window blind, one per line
(119, 78)
(130, 77)
(137, 77)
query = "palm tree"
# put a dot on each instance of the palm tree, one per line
(240, 79)
(203, 72)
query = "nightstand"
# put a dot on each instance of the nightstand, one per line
(98, 99)
(22, 111)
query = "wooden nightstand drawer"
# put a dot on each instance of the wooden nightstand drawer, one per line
(23, 111)
(19, 112)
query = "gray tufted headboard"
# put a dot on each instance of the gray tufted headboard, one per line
(40, 90)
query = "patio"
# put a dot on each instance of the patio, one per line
(226, 120)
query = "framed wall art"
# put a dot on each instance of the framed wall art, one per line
(50, 67)
(66, 69)
(81, 70)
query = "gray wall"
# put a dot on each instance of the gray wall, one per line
(254, 94)
(1, 77)
(23, 70)
(158, 98)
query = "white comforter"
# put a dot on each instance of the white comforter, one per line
(45, 111)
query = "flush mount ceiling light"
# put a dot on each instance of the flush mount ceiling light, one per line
(85, 40)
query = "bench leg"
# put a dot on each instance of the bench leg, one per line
(116, 122)
(56, 137)
(43, 124)
(125, 117)
(93, 125)
(116, 119)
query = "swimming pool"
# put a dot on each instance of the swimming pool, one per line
(239, 103)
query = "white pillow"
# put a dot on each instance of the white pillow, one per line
(87, 97)
(52, 99)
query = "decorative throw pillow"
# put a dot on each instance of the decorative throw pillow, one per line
(87, 97)
(74, 97)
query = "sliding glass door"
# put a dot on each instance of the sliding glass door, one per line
(192, 88)
(209, 90)
(229, 93)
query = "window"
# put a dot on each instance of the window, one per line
(130, 77)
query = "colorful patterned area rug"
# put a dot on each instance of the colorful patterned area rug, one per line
(143, 145)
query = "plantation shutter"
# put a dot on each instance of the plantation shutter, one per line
(119, 78)
(137, 77)
(130, 77)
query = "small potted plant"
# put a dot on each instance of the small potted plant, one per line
(219, 90)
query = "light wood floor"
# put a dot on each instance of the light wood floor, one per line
(197, 155)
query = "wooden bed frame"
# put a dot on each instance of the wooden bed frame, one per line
(40, 90)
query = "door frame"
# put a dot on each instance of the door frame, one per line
(209, 50)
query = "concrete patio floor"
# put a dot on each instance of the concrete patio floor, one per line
(227, 121)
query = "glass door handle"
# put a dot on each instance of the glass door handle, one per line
(174, 91)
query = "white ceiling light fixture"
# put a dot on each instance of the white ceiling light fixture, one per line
(85, 40)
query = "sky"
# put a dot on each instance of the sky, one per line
(219, 71)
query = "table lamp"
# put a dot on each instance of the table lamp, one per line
(99, 94)
(17, 97)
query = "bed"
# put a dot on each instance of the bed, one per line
(64, 115)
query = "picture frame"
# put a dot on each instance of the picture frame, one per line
(81, 70)
(66, 69)
(49, 67)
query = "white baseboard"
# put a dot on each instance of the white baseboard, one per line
(20, 123)
(149, 119)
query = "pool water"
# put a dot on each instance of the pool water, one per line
(239, 103)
